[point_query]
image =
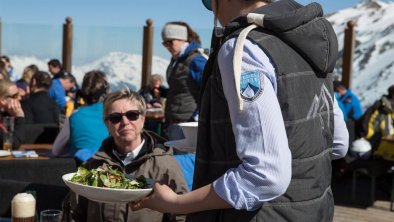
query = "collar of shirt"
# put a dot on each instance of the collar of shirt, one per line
(129, 157)
(183, 49)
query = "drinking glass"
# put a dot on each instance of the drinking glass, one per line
(51, 215)
(7, 141)
(8, 123)
(23, 207)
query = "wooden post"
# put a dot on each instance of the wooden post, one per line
(67, 44)
(147, 53)
(348, 52)
(1, 35)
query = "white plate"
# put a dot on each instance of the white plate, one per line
(107, 195)
(181, 145)
(5, 153)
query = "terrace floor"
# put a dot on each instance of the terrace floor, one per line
(362, 209)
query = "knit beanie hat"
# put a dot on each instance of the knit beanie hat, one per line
(174, 31)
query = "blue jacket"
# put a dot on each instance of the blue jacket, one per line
(341, 106)
(196, 68)
(57, 93)
(351, 105)
(87, 130)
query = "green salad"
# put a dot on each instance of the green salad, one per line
(105, 176)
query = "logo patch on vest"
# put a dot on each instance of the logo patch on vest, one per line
(252, 85)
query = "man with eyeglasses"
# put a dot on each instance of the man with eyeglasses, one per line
(134, 151)
(269, 123)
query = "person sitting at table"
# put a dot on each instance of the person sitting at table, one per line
(23, 83)
(153, 92)
(39, 107)
(81, 136)
(135, 151)
(11, 107)
(378, 122)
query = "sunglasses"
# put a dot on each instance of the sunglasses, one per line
(14, 96)
(167, 43)
(131, 115)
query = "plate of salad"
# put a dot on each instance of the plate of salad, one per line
(107, 184)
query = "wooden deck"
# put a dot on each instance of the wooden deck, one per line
(379, 212)
(361, 209)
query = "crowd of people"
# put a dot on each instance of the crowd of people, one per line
(271, 119)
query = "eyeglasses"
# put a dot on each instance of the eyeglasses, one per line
(167, 43)
(131, 115)
(14, 96)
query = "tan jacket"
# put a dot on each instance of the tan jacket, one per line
(154, 161)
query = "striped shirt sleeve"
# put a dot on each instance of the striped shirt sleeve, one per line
(261, 141)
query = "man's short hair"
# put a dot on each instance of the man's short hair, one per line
(55, 63)
(338, 84)
(133, 97)
(68, 76)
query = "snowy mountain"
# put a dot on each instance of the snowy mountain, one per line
(373, 69)
(122, 69)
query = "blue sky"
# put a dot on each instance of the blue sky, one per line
(121, 12)
(34, 27)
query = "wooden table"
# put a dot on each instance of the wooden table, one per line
(389, 139)
(154, 115)
(44, 151)
(154, 120)
(24, 158)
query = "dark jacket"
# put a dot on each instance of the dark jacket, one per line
(154, 161)
(184, 79)
(148, 94)
(305, 94)
(40, 108)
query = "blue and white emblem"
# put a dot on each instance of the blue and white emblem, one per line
(252, 85)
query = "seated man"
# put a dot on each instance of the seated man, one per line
(134, 151)
(58, 90)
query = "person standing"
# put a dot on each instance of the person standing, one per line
(269, 124)
(184, 75)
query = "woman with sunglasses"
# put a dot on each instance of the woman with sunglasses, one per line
(81, 136)
(184, 77)
(11, 107)
(135, 151)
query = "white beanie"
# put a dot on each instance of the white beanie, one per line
(174, 31)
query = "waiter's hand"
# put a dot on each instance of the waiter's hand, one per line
(162, 199)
